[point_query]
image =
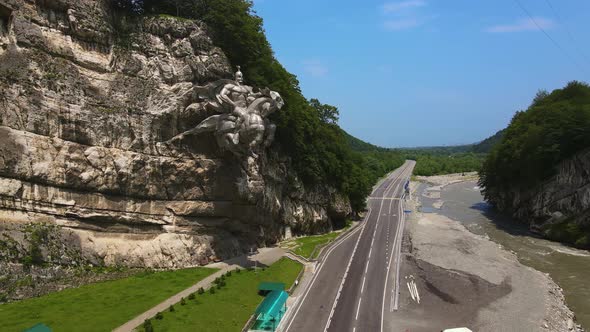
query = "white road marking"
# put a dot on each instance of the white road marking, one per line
(358, 309)
(363, 286)
(321, 265)
(396, 244)
(368, 260)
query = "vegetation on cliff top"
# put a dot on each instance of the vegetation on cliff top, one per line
(487, 144)
(307, 130)
(555, 127)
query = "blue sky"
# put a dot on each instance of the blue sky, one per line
(428, 72)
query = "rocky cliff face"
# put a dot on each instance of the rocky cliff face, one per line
(85, 114)
(563, 198)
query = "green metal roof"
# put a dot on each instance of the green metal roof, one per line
(39, 328)
(271, 286)
(273, 303)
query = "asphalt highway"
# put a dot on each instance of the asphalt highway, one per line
(355, 283)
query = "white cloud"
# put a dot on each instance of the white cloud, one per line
(394, 7)
(315, 68)
(525, 24)
(402, 24)
(402, 15)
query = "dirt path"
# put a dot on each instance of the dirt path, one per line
(265, 257)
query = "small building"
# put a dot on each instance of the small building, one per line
(266, 287)
(269, 313)
(38, 328)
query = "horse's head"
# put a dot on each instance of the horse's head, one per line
(276, 97)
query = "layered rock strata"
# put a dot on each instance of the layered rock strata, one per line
(89, 102)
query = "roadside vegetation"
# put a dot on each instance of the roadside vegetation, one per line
(100, 306)
(228, 305)
(310, 246)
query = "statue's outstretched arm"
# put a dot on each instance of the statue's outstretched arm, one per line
(209, 124)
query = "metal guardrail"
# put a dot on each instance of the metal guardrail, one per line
(296, 282)
(290, 252)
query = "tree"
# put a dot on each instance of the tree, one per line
(327, 113)
(539, 97)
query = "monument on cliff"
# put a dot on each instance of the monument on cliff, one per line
(242, 125)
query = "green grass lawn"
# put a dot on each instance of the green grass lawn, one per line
(231, 306)
(101, 306)
(304, 246)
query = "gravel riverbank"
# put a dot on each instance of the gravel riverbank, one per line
(468, 280)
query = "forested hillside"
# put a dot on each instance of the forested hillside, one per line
(554, 127)
(487, 144)
(538, 172)
(429, 160)
(428, 163)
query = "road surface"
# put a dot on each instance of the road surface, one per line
(354, 286)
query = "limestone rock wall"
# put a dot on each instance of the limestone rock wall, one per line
(87, 99)
(565, 196)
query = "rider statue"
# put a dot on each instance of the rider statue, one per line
(242, 125)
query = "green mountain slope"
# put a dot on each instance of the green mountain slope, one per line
(538, 171)
(487, 144)
(551, 130)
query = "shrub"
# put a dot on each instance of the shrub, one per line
(212, 290)
(171, 308)
(159, 316)
(191, 296)
(228, 273)
(182, 301)
(238, 271)
(201, 290)
(147, 326)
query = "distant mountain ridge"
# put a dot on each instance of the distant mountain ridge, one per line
(487, 144)
(484, 146)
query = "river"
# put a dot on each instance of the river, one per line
(569, 268)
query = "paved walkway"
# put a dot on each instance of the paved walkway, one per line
(265, 256)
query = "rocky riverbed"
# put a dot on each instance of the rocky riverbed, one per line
(466, 279)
